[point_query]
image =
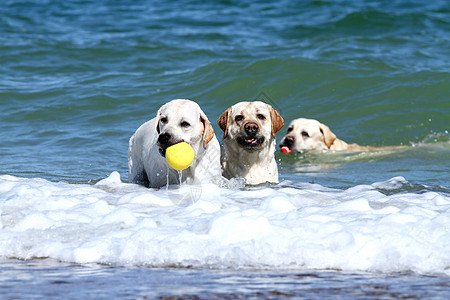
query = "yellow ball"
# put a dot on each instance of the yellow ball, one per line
(180, 156)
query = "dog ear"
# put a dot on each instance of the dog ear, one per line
(328, 136)
(277, 120)
(224, 121)
(158, 117)
(208, 131)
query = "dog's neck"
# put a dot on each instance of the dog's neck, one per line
(254, 166)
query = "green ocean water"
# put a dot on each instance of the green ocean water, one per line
(77, 78)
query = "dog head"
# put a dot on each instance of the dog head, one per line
(250, 124)
(182, 120)
(308, 134)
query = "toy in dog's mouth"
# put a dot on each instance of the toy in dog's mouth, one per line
(286, 149)
(286, 144)
(163, 147)
(251, 142)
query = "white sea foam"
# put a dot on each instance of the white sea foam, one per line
(291, 225)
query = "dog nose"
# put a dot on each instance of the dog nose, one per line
(251, 128)
(164, 138)
(289, 140)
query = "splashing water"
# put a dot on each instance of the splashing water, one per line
(290, 225)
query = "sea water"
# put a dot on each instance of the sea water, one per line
(282, 230)
(78, 78)
(291, 225)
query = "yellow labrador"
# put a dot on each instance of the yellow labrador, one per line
(248, 144)
(177, 121)
(310, 134)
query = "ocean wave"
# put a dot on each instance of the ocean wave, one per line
(292, 225)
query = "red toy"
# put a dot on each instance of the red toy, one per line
(285, 149)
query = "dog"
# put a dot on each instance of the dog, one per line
(310, 134)
(248, 145)
(179, 120)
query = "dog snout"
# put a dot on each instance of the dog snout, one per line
(251, 128)
(288, 141)
(164, 138)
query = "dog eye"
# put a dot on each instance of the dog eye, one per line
(290, 129)
(163, 120)
(239, 118)
(185, 124)
(261, 117)
(305, 134)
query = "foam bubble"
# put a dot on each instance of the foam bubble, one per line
(292, 225)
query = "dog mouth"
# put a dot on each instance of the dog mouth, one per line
(251, 143)
(162, 150)
(286, 145)
(163, 147)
